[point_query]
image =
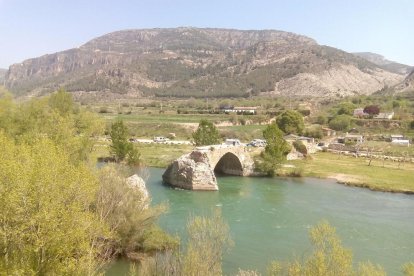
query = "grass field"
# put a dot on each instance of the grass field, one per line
(383, 176)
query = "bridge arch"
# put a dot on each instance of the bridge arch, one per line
(229, 164)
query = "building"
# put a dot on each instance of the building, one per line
(405, 143)
(241, 110)
(384, 116)
(359, 112)
(328, 132)
(353, 138)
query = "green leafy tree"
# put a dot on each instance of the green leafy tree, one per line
(62, 101)
(346, 108)
(208, 239)
(290, 122)
(300, 147)
(120, 146)
(328, 258)
(340, 122)
(276, 150)
(206, 134)
(321, 119)
(47, 224)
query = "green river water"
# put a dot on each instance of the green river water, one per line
(270, 218)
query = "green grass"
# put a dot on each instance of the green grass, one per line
(153, 155)
(383, 176)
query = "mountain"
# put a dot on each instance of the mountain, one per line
(384, 63)
(193, 62)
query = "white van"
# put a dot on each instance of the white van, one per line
(232, 142)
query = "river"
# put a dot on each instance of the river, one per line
(270, 218)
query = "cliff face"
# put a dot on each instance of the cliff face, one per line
(185, 62)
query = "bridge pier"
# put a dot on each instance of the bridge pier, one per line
(195, 171)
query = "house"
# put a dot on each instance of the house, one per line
(384, 116)
(353, 138)
(241, 110)
(328, 132)
(359, 112)
(398, 142)
(292, 138)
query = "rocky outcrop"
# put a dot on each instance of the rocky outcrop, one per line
(138, 183)
(191, 172)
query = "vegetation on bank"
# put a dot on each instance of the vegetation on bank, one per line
(380, 175)
(60, 214)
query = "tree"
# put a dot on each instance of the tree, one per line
(291, 122)
(208, 239)
(372, 110)
(340, 122)
(300, 147)
(120, 146)
(321, 119)
(346, 108)
(62, 101)
(276, 150)
(206, 134)
(47, 224)
(329, 258)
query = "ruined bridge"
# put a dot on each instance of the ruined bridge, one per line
(196, 170)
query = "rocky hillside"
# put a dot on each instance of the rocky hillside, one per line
(406, 86)
(186, 62)
(386, 64)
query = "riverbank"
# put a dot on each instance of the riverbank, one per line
(385, 176)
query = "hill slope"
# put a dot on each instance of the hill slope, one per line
(384, 63)
(185, 62)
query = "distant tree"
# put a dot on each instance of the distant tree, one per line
(372, 110)
(346, 108)
(328, 258)
(340, 122)
(120, 146)
(62, 101)
(276, 150)
(300, 147)
(206, 134)
(290, 122)
(321, 119)
(412, 124)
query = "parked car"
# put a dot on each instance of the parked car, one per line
(257, 143)
(160, 139)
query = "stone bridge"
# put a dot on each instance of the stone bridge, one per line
(196, 170)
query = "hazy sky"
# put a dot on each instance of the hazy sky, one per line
(30, 28)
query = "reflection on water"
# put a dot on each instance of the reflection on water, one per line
(269, 219)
